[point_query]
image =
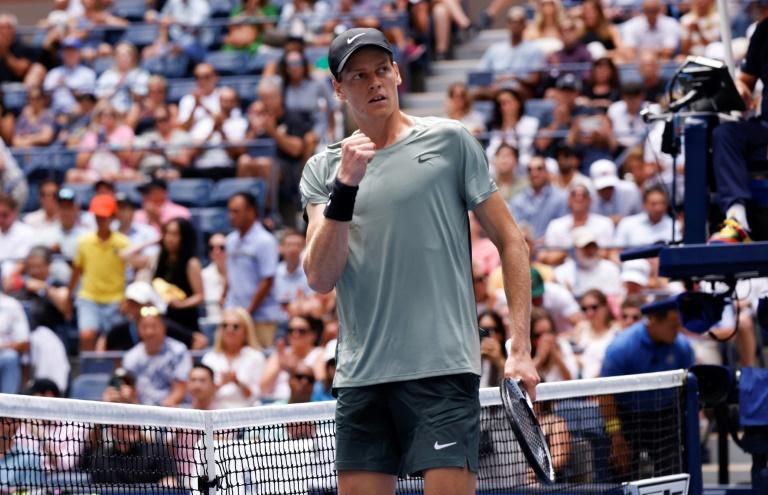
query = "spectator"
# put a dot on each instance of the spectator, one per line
(164, 147)
(303, 93)
(510, 124)
(66, 80)
(586, 270)
(574, 53)
(700, 28)
(143, 238)
(214, 156)
(599, 30)
(20, 466)
(80, 121)
(159, 363)
(301, 335)
(293, 135)
(635, 277)
(48, 361)
(186, 17)
(45, 220)
(252, 257)
(547, 23)
(566, 94)
(101, 262)
(557, 301)
(302, 385)
(650, 74)
(539, 203)
(458, 106)
(16, 237)
(505, 171)
(157, 209)
(236, 360)
(12, 180)
(89, 26)
(141, 117)
(593, 137)
(74, 223)
(559, 235)
(323, 389)
(650, 226)
(125, 335)
(105, 149)
(45, 296)
(521, 58)
(179, 266)
(17, 60)
(492, 350)
(14, 342)
(201, 388)
(625, 116)
(247, 25)
(304, 16)
(34, 126)
(652, 30)
(615, 198)
(121, 388)
(214, 277)
(7, 121)
(603, 85)
(483, 297)
(595, 333)
(568, 164)
(630, 310)
(552, 355)
(201, 106)
(290, 279)
(125, 81)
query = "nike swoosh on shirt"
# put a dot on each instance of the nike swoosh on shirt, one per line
(353, 38)
(443, 446)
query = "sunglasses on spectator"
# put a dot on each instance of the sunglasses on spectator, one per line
(220, 247)
(298, 331)
(305, 377)
(231, 326)
(149, 311)
(589, 307)
(205, 75)
(631, 316)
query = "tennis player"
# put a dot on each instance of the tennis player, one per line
(388, 228)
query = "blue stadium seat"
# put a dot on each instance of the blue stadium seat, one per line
(246, 88)
(101, 64)
(99, 362)
(225, 188)
(168, 66)
(221, 8)
(140, 35)
(133, 10)
(263, 147)
(315, 53)
(33, 199)
(84, 193)
(14, 96)
(229, 63)
(89, 386)
(179, 88)
(210, 220)
(257, 63)
(131, 189)
(540, 108)
(485, 108)
(190, 192)
(479, 78)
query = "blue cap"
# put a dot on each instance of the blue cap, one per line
(660, 306)
(71, 43)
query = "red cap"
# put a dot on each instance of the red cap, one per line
(103, 205)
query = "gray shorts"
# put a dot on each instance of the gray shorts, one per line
(403, 428)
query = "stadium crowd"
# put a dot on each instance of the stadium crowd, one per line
(111, 239)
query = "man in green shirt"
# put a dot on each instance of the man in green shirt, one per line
(388, 228)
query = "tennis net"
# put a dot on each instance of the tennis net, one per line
(601, 433)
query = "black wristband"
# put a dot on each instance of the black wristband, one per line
(341, 204)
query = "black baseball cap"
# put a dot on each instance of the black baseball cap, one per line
(348, 42)
(153, 183)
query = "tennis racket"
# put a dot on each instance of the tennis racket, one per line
(526, 428)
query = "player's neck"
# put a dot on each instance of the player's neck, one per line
(388, 131)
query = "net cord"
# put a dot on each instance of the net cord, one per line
(51, 409)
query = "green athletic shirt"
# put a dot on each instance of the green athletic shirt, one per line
(405, 298)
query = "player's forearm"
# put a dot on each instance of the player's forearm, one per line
(327, 254)
(517, 287)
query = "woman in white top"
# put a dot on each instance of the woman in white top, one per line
(595, 333)
(123, 80)
(236, 360)
(458, 106)
(509, 124)
(300, 346)
(552, 354)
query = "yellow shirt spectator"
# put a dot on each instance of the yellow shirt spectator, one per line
(103, 278)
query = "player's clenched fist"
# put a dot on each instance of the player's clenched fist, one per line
(356, 152)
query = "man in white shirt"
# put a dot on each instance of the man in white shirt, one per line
(214, 276)
(559, 235)
(198, 109)
(16, 238)
(290, 279)
(652, 30)
(227, 127)
(628, 126)
(586, 270)
(45, 220)
(652, 226)
(68, 78)
(14, 341)
(614, 198)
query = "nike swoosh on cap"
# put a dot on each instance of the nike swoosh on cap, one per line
(443, 446)
(353, 38)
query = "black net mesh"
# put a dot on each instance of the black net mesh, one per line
(596, 442)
